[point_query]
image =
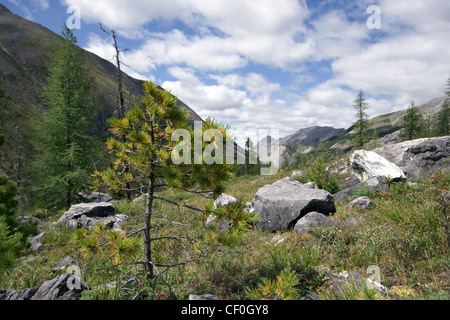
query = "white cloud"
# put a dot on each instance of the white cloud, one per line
(407, 59)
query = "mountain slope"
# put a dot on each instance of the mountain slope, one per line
(24, 56)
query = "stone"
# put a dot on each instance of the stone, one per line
(311, 185)
(66, 262)
(88, 215)
(419, 157)
(10, 295)
(373, 185)
(349, 182)
(344, 282)
(283, 203)
(203, 297)
(309, 222)
(223, 200)
(360, 203)
(98, 197)
(24, 221)
(64, 287)
(367, 164)
(36, 242)
(297, 174)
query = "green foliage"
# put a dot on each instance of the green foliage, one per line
(65, 148)
(323, 178)
(282, 288)
(9, 246)
(413, 123)
(443, 120)
(362, 124)
(236, 212)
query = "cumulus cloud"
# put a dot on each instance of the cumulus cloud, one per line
(209, 50)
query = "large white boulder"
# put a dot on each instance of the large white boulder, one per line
(366, 165)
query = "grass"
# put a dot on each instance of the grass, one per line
(405, 234)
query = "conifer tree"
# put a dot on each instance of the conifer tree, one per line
(413, 123)
(8, 199)
(154, 161)
(443, 117)
(362, 124)
(65, 150)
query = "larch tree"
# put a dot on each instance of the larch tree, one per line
(152, 158)
(413, 123)
(362, 123)
(65, 147)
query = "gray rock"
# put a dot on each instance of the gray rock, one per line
(32, 220)
(367, 164)
(88, 215)
(309, 222)
(203, 297)
(64, 264)
(297, 174)
(373, 185)
(283, 203)
(64, 287)
(360, 203)
(343, 283)
(420, 156)
(349, 182)
(36, 242)
(125, 284)
(311, 185)
(98, 197)
(224, 200)
(26, 294)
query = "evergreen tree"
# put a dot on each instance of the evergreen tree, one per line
(443, 120)
(65, 149)
(8, 199)
(443, 117)
(362, 124)
(155, 161)
(413, 123)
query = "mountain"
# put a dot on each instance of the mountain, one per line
(307, 140)
(24, 55)
(311, 136)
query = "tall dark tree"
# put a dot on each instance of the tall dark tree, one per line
(413, 123)
(362, 123)
(65, 148)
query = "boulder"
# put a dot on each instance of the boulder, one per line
(88, 215)
(349, 182)
(283, 203)
(26, 294)
(36, 242)
(66, 262)
(64, 287)
(309, 222)
(348, 282)
(224, 200)
(373, 185)
(367, 164)
(420, 156)
(98, 197)
(360, 203)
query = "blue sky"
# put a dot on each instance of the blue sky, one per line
(283, 65)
